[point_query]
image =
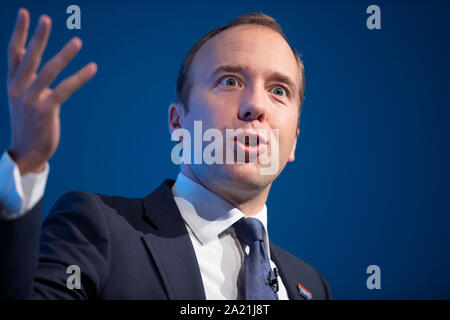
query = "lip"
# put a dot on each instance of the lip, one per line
(257, 149)
(254, 134)
(251, 150)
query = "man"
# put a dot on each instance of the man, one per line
(203, 236)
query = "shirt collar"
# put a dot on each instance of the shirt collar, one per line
(205, 213)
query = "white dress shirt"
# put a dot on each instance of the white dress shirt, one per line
(208, 219)
(19, 194)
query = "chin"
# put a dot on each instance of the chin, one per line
(245, 175)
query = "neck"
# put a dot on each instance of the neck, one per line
(249, 202)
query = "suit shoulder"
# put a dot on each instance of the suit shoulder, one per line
(109, 210)
(94, 218)
(311, 277)
(285, 255)
(76, 197)
(76, 208)
(81, 200)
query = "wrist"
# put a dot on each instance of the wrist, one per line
(26, 164)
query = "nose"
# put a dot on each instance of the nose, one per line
(253, 106)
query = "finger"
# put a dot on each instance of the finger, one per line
(52, 68)
(68, 86)
(17, 41)
(32, 58)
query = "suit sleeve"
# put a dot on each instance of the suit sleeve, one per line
(327, 289)
(74, 234)
(19, 251)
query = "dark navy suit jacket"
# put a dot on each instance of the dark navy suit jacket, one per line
(125, 248)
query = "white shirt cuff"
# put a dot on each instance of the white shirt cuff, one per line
(19, 194)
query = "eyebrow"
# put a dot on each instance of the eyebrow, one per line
(274, 76)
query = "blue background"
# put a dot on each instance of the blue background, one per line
(371, 180)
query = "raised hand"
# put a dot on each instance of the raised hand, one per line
(34, 107)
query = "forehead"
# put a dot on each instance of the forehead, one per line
(260, 50)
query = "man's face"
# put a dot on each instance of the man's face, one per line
(245, 77)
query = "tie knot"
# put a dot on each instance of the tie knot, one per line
(249, 230)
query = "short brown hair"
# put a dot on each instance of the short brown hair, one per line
(184, 83)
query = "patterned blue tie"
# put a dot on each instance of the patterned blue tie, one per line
(257, 266)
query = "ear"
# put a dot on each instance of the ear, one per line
(292, 155)
(176, 116)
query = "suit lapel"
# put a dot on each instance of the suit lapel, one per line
(290, 280)
(171, 247)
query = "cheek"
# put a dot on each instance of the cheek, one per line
(287, 133)
(285, 145)
(214, 110)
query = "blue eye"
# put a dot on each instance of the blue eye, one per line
(279, 91)
(230, 81)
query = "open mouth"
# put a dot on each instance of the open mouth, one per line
(250, 143)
